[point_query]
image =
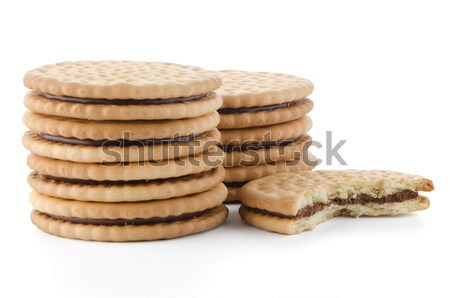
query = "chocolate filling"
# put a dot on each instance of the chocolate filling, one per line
(103, 101)
(134, 221)
(358, 199)
(258, 109)
(122, 182)
(364, 199)
(117, 143)
(235, 184)
(247, 146)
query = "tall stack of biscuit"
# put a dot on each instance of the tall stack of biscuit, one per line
(124, 151)
(264, 126)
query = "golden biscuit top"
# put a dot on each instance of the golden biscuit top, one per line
(250, 89)
(121, 79)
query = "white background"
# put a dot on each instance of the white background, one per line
(381, 72)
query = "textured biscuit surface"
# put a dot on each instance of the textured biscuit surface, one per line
(250, 89)
(129, 210)
(262, 118)
(99, 154)
(295, 226)
(233, 195)
(190, 109)
(243, 174)
(152, 190)
(128, 171)
(276, 132)
(121, 79)
(290, 151)
(286, 193)
(114, 130)
(205, 222)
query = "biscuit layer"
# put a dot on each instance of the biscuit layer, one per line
(265, 117)
(129, 210)
(285, 150)
(116, 130)
(291, 226)
(105, 154)
(243, 174)
(128, 171)
(233, 196)
(121, 79)
(211, 219)
(159, 189)
(283, 131)
(251, 89)
(39, 104)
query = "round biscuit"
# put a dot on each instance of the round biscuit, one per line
(121, 79)
(191, 109)
(129, 210)
(145, 170)
(290, 151)
(106, 154)
(252, 89)
(211, 219)
(115, 130)
(262, 118)
(152, 190)
(277, 132)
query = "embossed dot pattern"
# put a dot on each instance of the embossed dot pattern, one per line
(121, 79)
(286, 192)
(249, 89)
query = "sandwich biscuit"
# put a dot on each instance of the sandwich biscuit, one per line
(125, 191)
(129, 109)
(121, 80)
(289, 203)
(257, 89)
(110, 151)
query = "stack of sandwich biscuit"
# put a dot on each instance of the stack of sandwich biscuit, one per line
(124, 151)
(264, 126)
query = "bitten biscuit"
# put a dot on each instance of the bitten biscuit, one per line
(290, 203)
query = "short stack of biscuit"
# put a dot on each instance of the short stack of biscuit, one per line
(124, 151)
(264, 126)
